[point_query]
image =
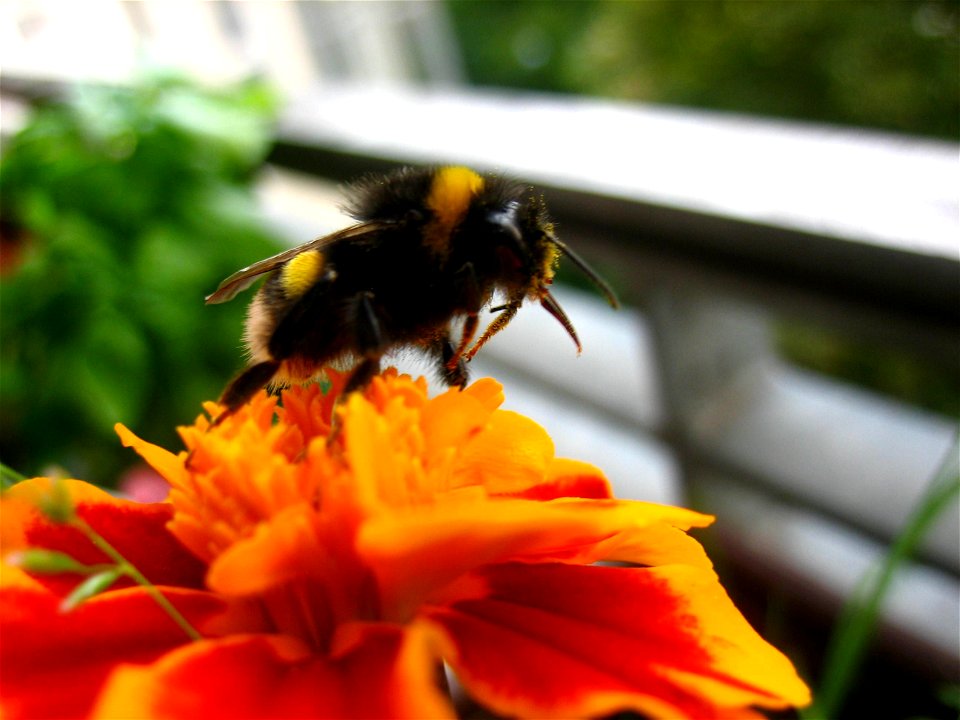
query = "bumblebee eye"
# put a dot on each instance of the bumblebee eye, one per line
(505, 222)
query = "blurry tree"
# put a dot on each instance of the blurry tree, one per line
(121, 209)
(524, 45)
(887, 64)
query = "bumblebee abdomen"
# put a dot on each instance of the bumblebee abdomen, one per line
(298, 275)
(269, 332)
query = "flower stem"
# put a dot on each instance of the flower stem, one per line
(131, 571)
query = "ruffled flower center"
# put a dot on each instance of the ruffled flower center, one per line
(275, 503)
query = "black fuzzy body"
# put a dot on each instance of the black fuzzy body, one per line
(412, 298)
(430, 246)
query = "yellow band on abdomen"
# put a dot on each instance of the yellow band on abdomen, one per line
(300, 273)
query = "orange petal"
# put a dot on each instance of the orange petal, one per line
(417, 551)
(12, 576)
(302, 567)
(258, 676)
(450, 419)
(659, 544)
(169, 466)
(403, 662)
(137, 530)
(310, 407)
(297, 544)
(241, 676)
(283, 549)
(554, 640)
(378, 455)
(53, 663)
(501, 450)
(488, 391)
(511, 454)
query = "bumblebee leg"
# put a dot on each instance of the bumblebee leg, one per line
(245, 386)
(361, 375)
(473, 301)
(370, 343)
(499, 323)
(359, 379)
(452, 367)
(367, 327)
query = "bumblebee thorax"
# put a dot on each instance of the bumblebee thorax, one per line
(451, 192)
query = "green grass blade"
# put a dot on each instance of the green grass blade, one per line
(857, 621)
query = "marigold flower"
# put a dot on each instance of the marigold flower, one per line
(332, 574)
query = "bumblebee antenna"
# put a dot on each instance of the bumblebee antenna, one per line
(602, 286)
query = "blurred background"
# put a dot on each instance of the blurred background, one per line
(772, 188)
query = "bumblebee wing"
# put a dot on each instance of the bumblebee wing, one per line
(244, 278)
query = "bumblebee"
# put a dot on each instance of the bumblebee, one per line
(430, 246)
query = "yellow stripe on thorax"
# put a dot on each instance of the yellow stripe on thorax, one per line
(450, 194)
(301, 272)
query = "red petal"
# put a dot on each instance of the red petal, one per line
(417, 552)
(137, 530)
(54, 663)
(572, 641)
(571, 479)
(258, 676)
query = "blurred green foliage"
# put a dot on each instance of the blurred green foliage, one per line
(918, 380)
(121, 209)
(886, 64)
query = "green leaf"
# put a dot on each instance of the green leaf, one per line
(91, 587)
(113, 376)
(134, 202)
(9, 477)
(49, 562)
(949, 695)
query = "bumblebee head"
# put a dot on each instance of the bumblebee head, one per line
(526, 244)
(506, 229)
